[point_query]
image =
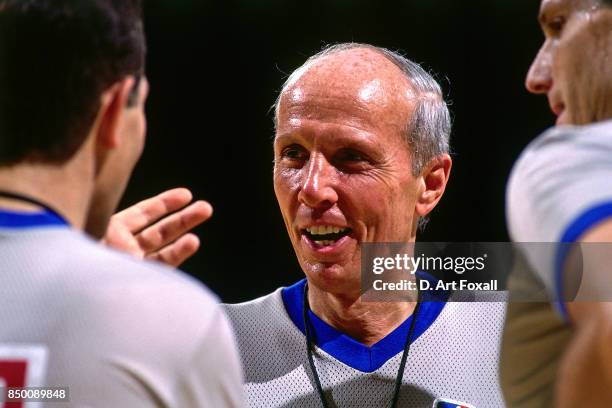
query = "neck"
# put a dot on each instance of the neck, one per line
(366, 322)
(62, 187)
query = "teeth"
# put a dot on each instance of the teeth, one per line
(324, 243)
(325, 229)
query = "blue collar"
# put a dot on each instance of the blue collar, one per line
(348, 350)
(21, 220)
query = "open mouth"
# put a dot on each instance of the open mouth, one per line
(325, 235)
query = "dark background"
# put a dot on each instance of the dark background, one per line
(215, 69)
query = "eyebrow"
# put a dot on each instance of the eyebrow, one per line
(289, 136)
(362, 143)
(548, 8)
(542, 17)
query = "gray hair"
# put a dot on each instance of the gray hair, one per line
(428, 130)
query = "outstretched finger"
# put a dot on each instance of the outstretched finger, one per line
(177, 252)
(141, 215)
(168, 230)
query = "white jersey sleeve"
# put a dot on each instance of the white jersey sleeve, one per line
(559, 188)
(214, 377)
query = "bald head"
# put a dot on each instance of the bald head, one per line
(356, 78)
(393, 90)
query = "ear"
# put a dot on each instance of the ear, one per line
(113, 103)
(433, 181)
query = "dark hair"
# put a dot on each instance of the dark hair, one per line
(56, 59)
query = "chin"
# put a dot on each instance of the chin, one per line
(335, 279)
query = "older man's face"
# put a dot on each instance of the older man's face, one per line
(342, 172)
(574, 66)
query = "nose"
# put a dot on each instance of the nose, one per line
(539, 78)
(317, 190)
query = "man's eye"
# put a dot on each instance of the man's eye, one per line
(350, 155)
(294, 152)
(555, 26)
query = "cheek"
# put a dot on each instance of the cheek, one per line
(400, 211)
(402, 206)
(286, 187)
(144, 126)
(603, 64)
(142, 136)
(133, 130)
(385, 206)
(584, 70)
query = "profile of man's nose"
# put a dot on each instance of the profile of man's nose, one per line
(539, 77)
(317, 187)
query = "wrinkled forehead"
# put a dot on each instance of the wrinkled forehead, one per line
(360, 80)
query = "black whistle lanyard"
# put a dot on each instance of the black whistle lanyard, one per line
(30, 200)
(400, 372)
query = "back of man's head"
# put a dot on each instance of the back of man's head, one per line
(56, 58)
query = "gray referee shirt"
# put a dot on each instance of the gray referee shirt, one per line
(117, 332)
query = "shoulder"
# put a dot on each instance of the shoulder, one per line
(477, 312)
(110, 268)
(479, 318)
(561, 147)
(141, 300)
(86, 272)
(480, 296)
(557, 139)
(123, 319)
(263, 328)
(556, 163)
(559, 187)
(256, 306)
(254, 312)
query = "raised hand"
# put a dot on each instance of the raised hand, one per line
(158, 228)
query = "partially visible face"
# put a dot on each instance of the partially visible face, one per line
(134, 124)
(342, 172)
(574, 65)
(119, 163)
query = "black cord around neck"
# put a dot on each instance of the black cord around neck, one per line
(31, 200)
(400, 372)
